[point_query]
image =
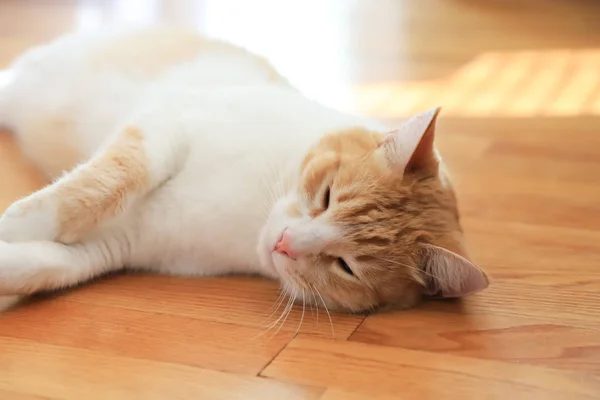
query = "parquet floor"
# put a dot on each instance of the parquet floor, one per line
(521, 82)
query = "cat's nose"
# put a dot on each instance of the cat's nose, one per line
(283, 246)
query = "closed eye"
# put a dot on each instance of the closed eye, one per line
(326, 198)
(344, 266)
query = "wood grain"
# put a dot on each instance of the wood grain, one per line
(344, 394)
(416, 374)
(144, 335)
(250, 302)
(518, 339)
(569, 306)
(5, 394)
(520, 132)
(74, 373)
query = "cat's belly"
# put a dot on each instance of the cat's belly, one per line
(203, 228)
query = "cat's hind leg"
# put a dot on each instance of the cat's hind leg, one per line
(26, 268)
(133, 163)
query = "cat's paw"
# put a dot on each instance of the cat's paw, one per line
(8, 264)
(30, 219)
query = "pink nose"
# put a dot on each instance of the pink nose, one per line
(283, 246)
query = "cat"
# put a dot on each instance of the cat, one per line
(178, 154)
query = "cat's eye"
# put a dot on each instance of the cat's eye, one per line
(344, 265)
(326, 198)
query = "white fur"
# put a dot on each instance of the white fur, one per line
(20, 222)
(225, 137)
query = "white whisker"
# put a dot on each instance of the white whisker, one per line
(279, 184)
(265, 210)
(268, 183)
(327, 310)
(271, 190)
(404, 265)
(274, 323)
(286, 316)
(316, 304)
(277, 304)
(302, 317)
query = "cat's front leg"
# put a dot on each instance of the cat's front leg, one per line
(132, 164)
(27, 268)
(31, 218)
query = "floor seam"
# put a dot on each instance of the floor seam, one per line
(356, 328)
(259, 374)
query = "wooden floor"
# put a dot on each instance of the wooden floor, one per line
(525, 155)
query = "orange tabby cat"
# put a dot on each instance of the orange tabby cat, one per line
(211, 163)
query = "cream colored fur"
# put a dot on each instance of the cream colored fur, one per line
(182, 155)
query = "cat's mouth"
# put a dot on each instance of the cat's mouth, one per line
(281, 265)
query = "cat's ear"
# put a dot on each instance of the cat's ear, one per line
(448, 274)
(410, 147)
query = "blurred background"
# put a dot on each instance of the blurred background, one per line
(385, 58)
(519, 83)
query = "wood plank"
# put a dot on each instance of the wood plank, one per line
(245, 301)
(10, 395)
(34, 368)
(580, 131)
(144, 335)
(554, 305)
(513, 339)
(555, 181)
(416, 374)
(526, 252)
(537, 209)
(347, 394)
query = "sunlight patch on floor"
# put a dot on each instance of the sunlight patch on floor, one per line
(518, 84)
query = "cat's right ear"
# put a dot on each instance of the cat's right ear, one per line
(411, 146)
(448, 274)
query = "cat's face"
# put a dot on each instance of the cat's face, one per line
(372, 222)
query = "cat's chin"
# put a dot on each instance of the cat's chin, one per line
(280, 263)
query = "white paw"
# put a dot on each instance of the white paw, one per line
(9, 267)
(30, 219)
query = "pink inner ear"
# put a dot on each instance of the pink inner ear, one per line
(411, 146)
(451, 275)
(424, 153)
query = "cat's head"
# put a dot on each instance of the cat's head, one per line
(372, 222)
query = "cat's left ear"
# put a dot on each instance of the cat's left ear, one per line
(410, 147)
(448, 274)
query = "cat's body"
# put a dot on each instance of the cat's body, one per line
(199, 158)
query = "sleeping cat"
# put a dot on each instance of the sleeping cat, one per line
(194, 157)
